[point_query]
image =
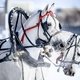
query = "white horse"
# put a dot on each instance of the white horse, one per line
(40, 27)
(34, 35)
(69, 45)
(34, 63)
(67, 60)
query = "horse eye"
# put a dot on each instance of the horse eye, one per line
(61, 45)
(60, 26)
(49, 24)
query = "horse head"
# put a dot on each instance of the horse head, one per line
(37, 31)
(68, 48)
(39, 28)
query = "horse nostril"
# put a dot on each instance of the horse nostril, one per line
(61, 45)
(51, 50)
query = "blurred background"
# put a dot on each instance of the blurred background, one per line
(67, 11)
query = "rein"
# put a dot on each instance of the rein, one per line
(37, 25)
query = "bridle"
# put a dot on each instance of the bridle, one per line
(39, 42)
(72, 42)
(14, 38)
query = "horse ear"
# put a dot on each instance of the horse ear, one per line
(52, 4)
(45, 10)
(51, 7)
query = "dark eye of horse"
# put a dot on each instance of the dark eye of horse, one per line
(60, 26)
(49, 24)
(61, 45)
(45, 25)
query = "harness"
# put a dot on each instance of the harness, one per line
(12, 34)
(39, 42)
(7, 51)
(14, 40)
(72, 42)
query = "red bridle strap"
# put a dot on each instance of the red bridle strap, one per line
(37, 25)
